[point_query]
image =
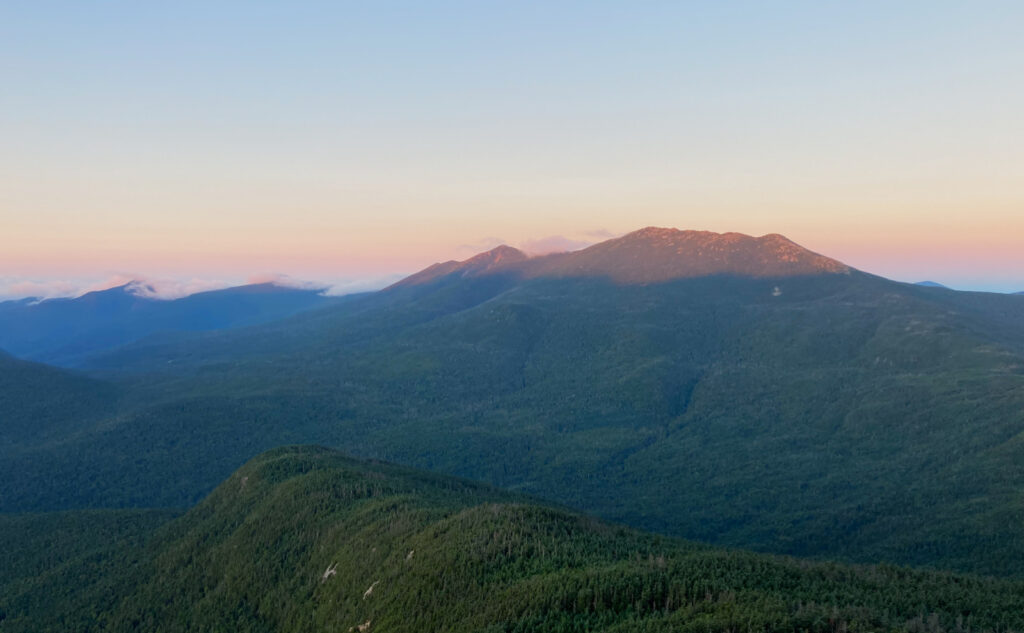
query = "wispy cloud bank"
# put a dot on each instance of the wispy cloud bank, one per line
(329, 287)
(540, 245)
(286, 281)
(553, 244)
(350, 286)
(150, 287)
(171, 288)
(480, 246)
(48, 289)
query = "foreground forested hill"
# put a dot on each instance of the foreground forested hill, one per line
(306, 539)
(735, 390)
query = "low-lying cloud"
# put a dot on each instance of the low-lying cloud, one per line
(150, 287)
(172, 288)
(541, 245)
(480, 246)
(553, 244)
(341, 287)
(285, 281)
(21, 289)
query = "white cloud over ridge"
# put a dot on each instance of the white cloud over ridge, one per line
(166, 288)
(553, 244)
(285, 281)
(540, 245)
(47, 289)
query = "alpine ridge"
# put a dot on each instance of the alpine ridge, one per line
(497, 259)
(649, 255)
(655, 254)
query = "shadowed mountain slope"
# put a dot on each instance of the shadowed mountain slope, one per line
(41, 404)
(305, 539)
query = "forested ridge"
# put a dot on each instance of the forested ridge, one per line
(307, 539)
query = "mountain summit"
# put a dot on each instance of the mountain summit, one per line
(649, 255)
(500, 258)
(656, 254)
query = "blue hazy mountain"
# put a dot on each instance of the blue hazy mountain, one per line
(59, 331)
(931, 284)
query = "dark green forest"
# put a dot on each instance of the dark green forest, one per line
(307, 539)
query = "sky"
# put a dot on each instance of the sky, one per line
(215, 142)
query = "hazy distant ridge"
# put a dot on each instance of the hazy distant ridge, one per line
(62, 330)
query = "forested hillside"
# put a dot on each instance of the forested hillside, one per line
(814, 411)
(306, 539)
(42, 405)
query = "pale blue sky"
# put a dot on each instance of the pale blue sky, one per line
(346, 139)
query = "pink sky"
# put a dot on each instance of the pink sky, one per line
(964, 257)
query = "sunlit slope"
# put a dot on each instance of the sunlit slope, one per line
(305, 539)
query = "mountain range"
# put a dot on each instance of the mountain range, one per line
(735, 390)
